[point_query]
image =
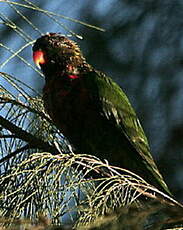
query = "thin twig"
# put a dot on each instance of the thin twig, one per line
(32, 140)
(10, 155)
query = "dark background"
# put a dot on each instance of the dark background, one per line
(141, 50)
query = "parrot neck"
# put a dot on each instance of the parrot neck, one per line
(69, 71)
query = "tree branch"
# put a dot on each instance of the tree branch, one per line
(32, 140)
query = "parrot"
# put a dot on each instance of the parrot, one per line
(91, 110)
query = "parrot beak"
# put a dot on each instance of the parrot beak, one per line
(39, 58)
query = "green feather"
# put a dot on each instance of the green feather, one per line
(115, 106)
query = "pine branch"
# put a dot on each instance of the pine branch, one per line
(32, 140)
(10, 155)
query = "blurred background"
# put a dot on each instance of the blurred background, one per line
(141, 49)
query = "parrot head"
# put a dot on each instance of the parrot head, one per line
(55, 53)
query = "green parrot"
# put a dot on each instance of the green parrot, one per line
(91, 110)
